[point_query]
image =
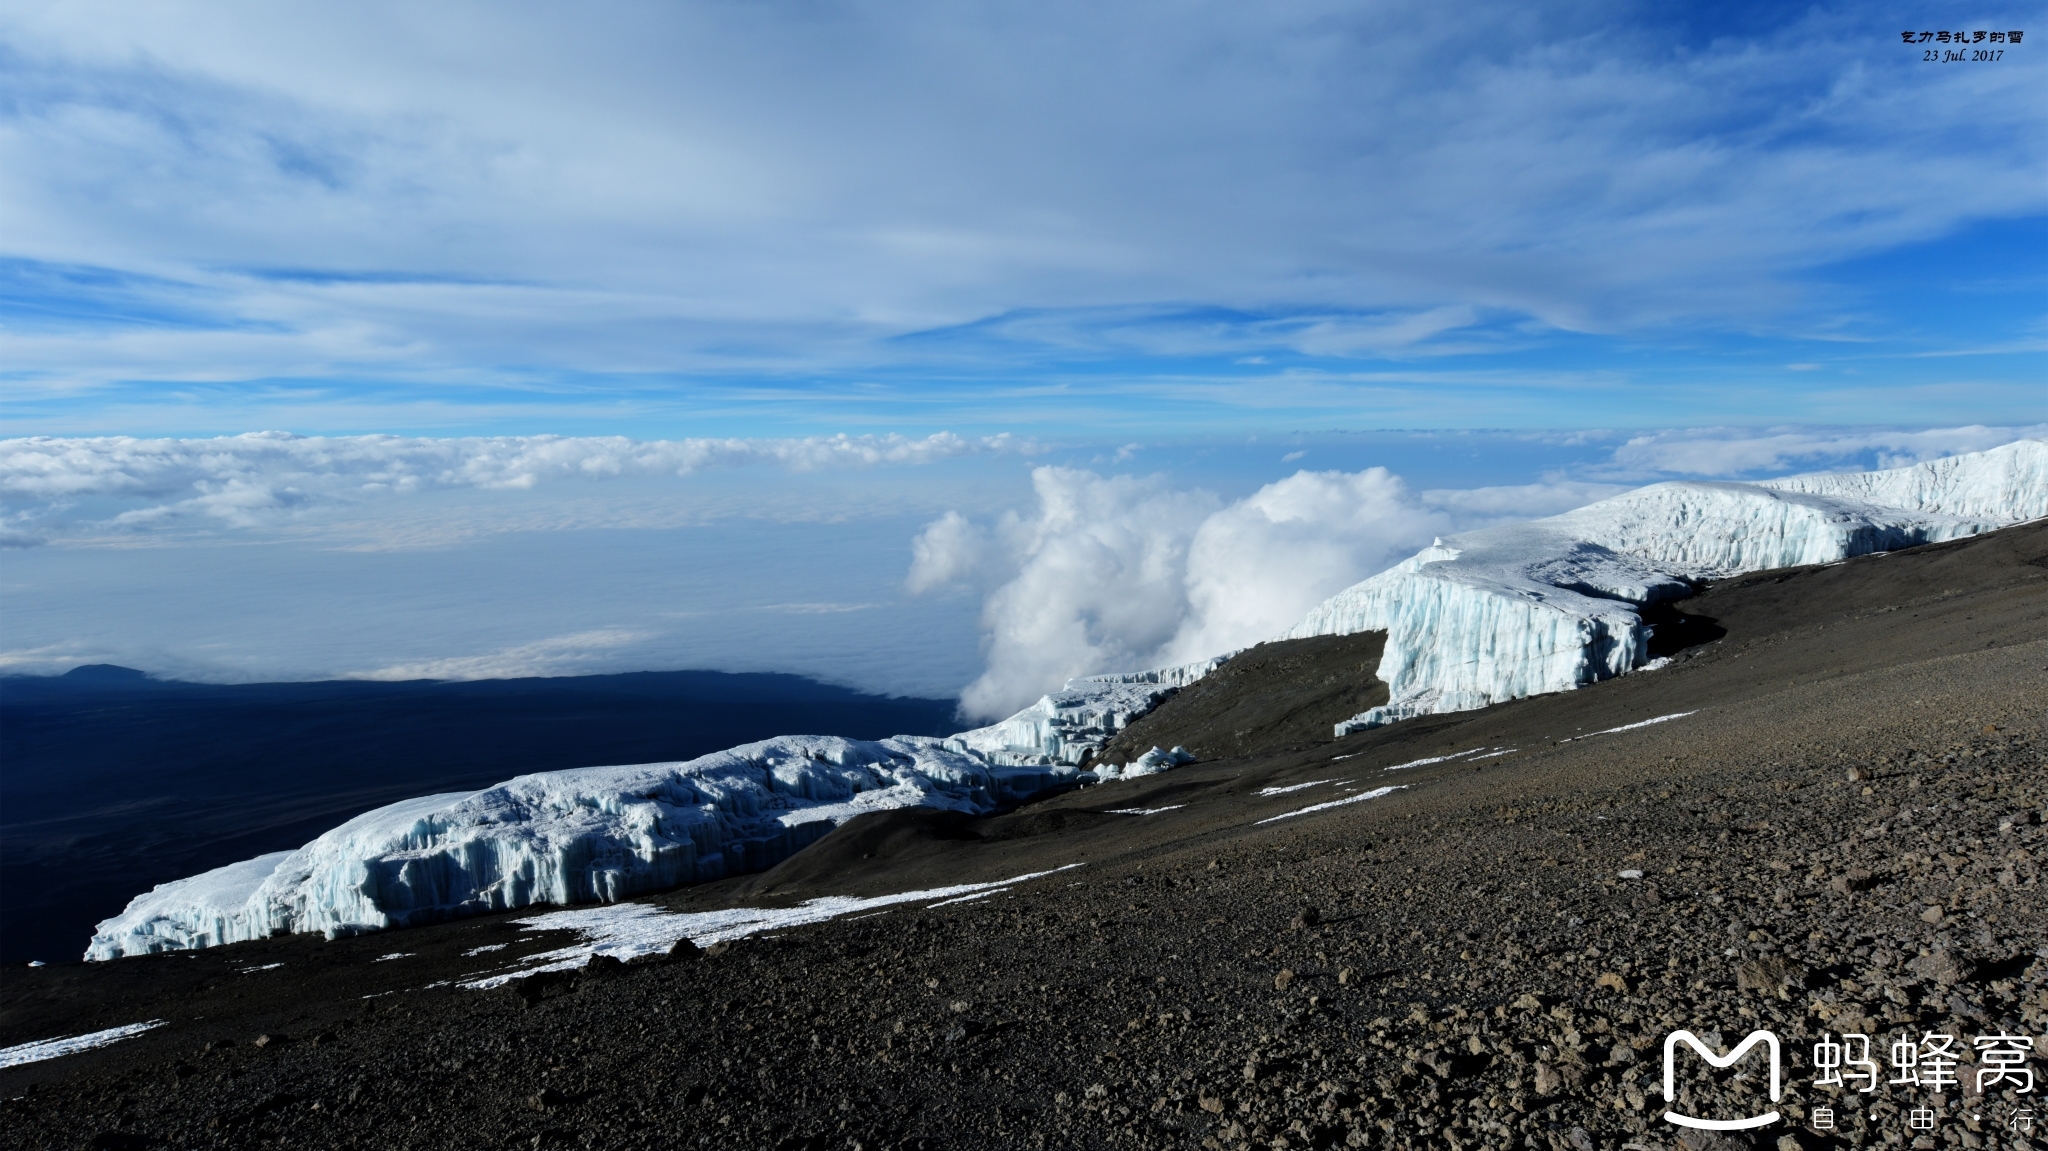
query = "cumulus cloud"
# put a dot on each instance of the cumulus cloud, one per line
(1095, 578)
(1257, 565)
(1117, 573)
(249, 480)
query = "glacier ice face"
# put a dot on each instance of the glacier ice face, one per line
(1523, 609)
(2008, 484)
(606, 833)
(591, 834)
(1073, 723)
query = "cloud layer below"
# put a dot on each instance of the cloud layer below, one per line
(915, 565)
(265, 478)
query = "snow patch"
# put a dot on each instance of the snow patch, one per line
(1295, 786)
(630, 930)
(1427, 760)
(1631, 726)
(1145, 810)
(1362, 796)
(52, 1048)
(979, 895)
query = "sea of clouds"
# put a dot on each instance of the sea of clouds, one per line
(932, 565)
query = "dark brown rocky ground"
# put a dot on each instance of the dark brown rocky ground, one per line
(1845, 835)
(1275, 696)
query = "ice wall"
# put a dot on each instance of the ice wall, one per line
(1073, 723)
(2008, 484)
(1513, 611)
(606, 833)
(601, 833)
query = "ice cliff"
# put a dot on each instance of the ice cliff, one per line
(1074, 722)
(601, 833)
(606, 833)
(1550, 605)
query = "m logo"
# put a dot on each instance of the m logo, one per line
(1769, 1041)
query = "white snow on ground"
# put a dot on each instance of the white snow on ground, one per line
(1427, 760)
(979, 895)
(1145, 810)
(1631, 726)
(1362, 796)
(1293, 787)
(1524, 609)
(629, 930)
(52, 1048)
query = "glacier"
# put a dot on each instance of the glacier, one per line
(1474, 619)
(1525, 609)
(578, 836)
(602, 834)
(1072, 724)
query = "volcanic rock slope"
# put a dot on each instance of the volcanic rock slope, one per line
(1837, 825)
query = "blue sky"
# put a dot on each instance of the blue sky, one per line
(1208, 243)
(794, 218)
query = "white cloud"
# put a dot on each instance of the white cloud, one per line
(1120, 573)
(1478, 507)
(466, 188)
(949, 550)
(264, 477)
(1096, 578)
(1256, 566)
(578, 654)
